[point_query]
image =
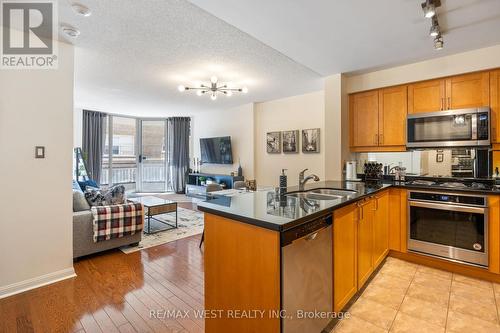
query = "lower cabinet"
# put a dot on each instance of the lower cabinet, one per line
(365, 240)
(381, 228)
(360, 244)
(344, 255)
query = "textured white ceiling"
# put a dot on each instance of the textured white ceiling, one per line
(356, 35)
(132, 54)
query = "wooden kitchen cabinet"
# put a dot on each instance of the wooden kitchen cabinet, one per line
(392, 116)
(377, 119)
(427, 96)
(468, 91)
(494, 234)
(397, 219)
(495, 106)
(456, 92)
(365, 240)
(344, 255)
(380, 228)
(363, 109)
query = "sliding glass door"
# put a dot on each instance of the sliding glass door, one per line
(152, 156)
(135, 155)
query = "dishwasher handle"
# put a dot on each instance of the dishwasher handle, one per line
(307, 231)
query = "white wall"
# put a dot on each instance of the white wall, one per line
(36, 109)
(460, 63)
(292, 113)
(237, 123)
(77, 127)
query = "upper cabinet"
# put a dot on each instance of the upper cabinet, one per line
(377, 119)
(468, 91)
(495, 105)
(456, 92)
(364, 119)
(392, 116)
(428, 96)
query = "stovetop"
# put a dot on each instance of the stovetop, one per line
(473, 185)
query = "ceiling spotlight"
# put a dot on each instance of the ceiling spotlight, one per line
(244, 90)
(435, 31)
(213, 79)
(229, 93)
(429, 8)
(213, 97)
(70, 31)
(438, 42)
(181, 88)
(200, 92)
(81, 9)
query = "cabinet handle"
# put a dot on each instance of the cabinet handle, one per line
(442, 103)
(449, 103)
(376, 203)
(381, 139)
(360, 211)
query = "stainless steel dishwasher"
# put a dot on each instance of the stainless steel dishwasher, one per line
(306, 276)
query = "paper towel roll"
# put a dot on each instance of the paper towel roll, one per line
(350, 170)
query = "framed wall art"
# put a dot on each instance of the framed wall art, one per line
(291, 142)
(310, 140)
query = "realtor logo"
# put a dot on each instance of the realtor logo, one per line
(28, 35)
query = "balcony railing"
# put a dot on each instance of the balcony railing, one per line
(125, 171)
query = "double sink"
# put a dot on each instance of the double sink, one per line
(323, 194)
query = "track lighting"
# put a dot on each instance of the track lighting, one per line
(438, 42)
(435, 31)
(429, 8)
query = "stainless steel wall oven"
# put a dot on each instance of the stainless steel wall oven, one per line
(450, 225)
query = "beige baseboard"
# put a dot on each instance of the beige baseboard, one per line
(36, 282)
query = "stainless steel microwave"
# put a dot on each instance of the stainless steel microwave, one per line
(453, 128)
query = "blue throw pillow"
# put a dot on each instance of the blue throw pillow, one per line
(89, 183)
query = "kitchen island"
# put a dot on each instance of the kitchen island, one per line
(245, 238)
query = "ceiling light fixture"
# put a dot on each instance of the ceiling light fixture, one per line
(438, 42)
(213, 89)
(81, 10)
(429, 7)
(435, 31)
(70, 31)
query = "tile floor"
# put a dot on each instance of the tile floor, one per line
(405, 297)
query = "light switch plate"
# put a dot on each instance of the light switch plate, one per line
(39, 152)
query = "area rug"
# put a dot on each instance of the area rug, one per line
(190, 223)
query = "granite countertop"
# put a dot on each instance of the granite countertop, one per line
(265, 209)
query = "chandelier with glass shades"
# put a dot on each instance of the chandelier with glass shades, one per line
(213, 89)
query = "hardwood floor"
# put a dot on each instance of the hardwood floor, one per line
(117, 292)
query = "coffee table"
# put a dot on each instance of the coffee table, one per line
(156, 206)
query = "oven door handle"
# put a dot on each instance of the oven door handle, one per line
(456, 208)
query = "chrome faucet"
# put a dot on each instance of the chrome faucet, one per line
(303, 181)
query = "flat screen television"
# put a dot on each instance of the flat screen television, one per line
(216, 150)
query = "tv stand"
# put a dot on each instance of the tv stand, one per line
(196, 189)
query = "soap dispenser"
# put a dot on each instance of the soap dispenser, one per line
(283, 182)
